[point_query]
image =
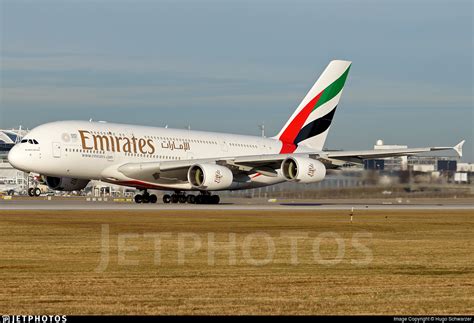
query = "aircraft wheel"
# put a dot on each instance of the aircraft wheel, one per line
(11, 192)
(198, 199)
(37, 192)
(174, 198)
(146, 198)
(205, 199)
(153, 198)
(138, 198)
(166, 199)
(191, 199)
(30, 192)
(182, 198)
(215, 199)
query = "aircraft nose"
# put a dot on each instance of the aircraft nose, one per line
(15, 157)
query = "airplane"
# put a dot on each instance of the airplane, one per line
(68, 154)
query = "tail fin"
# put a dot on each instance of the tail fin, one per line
(309, 124)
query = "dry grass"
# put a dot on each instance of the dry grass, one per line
(422, 263)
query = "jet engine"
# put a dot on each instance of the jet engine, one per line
(65, 183)
(303, 169)
(210, 177)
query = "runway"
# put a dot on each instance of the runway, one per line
(237, 204)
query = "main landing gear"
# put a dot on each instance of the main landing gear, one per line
(180, 197)
(145, 198)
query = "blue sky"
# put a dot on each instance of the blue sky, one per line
(229, 65)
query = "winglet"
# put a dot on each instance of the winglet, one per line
(458, 148)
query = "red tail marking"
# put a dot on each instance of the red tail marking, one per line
(288, 136)
(290, 133)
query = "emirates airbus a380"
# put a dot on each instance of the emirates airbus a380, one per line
(68, 154)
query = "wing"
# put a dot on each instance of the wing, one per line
(358, 156)
(168, 172)
(175, 172)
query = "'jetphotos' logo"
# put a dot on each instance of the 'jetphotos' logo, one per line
(291, 247)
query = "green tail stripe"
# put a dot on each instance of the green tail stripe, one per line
(333, 89)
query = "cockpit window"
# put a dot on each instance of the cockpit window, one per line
(30, 141)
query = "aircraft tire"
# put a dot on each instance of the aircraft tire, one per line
(198, 199)
(215, 199)
(166, 199)
(138, 198)
(191, 199)
(174, 198)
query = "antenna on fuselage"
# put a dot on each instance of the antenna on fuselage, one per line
(262, 128)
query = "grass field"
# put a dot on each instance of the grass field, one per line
(237, 262)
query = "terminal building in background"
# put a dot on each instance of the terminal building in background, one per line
(8, 138)
(12, 181)
(450, 168)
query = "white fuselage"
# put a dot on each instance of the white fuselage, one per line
(94, 150)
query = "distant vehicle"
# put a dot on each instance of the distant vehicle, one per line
(71, 153)
(10, 187)
(38, 190)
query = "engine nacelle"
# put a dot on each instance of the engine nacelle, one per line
(65, 183)
(303, 169)
(210, 177)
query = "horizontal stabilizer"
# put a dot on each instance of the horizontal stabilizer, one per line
(458, 148)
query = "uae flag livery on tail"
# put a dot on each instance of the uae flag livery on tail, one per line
(310, 123)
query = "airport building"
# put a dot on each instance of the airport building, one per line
(12, 181)
(448, 168)
(8, 138)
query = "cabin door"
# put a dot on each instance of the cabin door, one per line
(56, 149)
